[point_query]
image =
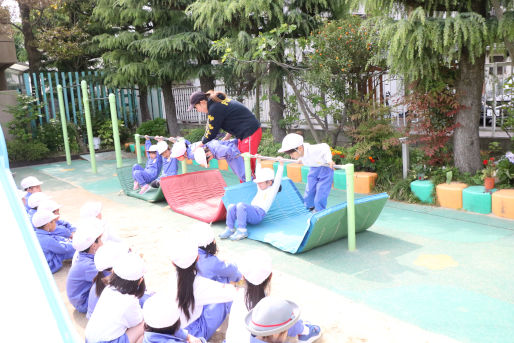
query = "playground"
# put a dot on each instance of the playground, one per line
(418, 274)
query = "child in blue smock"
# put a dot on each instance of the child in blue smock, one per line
(30, 185)
(321, 173)
(64, 228)
(227, 150)
(34, 201)
(144, 176)
(241, 214)
(55, 248)
(86, 240)
(169, 164)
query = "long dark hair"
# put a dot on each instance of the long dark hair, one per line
(127, 286)
(215, 95)
(254, 293)
(185, 294)
(169, 330)
(210, 248)
(100, 280)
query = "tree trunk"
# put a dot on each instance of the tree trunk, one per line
(33, 54)
(276, 109)
(466, 143)
(207, 82)
(169, 107)
(143, 104)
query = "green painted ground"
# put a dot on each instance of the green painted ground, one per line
(445, 271)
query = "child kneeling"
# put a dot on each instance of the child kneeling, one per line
(253, 213)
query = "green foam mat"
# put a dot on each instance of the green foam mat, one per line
(127, 182)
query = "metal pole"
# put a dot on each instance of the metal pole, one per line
(64, 125)
(405, 156)
(248, 166)
(115, 131)
(138, 148)
(350, 206)
(85, 100)
(183, 165)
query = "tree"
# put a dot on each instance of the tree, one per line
(433, 37)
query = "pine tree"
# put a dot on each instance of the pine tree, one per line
(437, 37)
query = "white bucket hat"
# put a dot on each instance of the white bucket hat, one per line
(200, 156)
(161, 311)
(152, 148)
(184, 251)
(130, 267)
(162, 146)
(205, 234)
(272, 315)
(36, 199)
(43, 217)
(107, 255)
(91, 209)
(30, 181)
(179, 149)
(255, 266)
(48, 205)
(291, 141)
(88, 230)
(264, 174)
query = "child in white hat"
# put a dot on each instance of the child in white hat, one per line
(93, 209)
(169, 164)
(193, 292)
(162, 321)
(321, 173)
(144, 176)
(256, 268)
(31, 185)
(105, 257)
(118, 317)
(86, 240)
(208, 264)
(33, 202)
(55, 248)
(64, 228)
(241, 214)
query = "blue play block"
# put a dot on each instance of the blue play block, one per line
(305, 172)
(213, 164)
(340, 179)
(475, 199)
(275, 167)
(423, 190)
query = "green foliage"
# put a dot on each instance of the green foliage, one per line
(156, 127)
(268, 147)
(21, 150)
(24, 112)
(505, 171)
(193, 135)
(106, 135)
(51, 135)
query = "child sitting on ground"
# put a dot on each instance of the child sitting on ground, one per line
(243, 214)
(321, 173)
(93, 209)
(144, 176)
(64, 228)
(169, 164)
(34, 201)
(55, 248)
(86, 241)
(31, 185)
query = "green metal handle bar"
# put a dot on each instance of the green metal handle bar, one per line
(64, 125)
(170, 139)
(335, 166)
(89, 126)
(137, 137)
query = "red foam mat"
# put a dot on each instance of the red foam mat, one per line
(197, 194)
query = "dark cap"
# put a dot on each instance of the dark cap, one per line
(195, 98)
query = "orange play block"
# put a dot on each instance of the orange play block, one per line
(364, 182)
(503, 203)
(294, 172)
(222, 165)
(267, 164)
(449, 195)
(188, 161)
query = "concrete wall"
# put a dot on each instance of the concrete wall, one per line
(7, 58)
(7, 98)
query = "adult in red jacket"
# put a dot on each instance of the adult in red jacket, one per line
(231, 116)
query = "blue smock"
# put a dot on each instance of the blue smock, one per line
(228, 150)
(55, 248)
(26, 197)
(151, 170)
(64, 229)
(154, 337)
(211, 267)
(80, 280)
(169, 167)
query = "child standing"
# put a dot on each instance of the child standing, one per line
(144, 176)
(86, 241)
(55, 248)
(31, 185)
(243, 214)
(321, 174)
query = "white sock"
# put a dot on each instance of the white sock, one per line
(242, 229)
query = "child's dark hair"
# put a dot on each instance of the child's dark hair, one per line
(254, 293)
(210, 248)
(289, 152)
(170, 330)
(100, 280)
(87, 249)
(185, 294)
(132, 287)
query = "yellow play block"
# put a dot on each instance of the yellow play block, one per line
(364, 182)
(267, 164)
(449, 195)
(294, 172)
(222, 165)
(503, 203)
(188, 161)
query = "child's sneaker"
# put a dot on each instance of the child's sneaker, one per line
(227, 233)
(144, 189)
(136, 185)
(314, 334)
(239, 235)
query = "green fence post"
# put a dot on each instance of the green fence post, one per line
(115, 131)
(248, 166)
(350, 205)
(138, 148)
(89, 127)
(183, 165)
(64, 126)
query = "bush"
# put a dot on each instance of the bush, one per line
(194, 135)
(24, 112)
(156, 127)
(268, 147)
(106, 135)
(51, 135)
(19, 150)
